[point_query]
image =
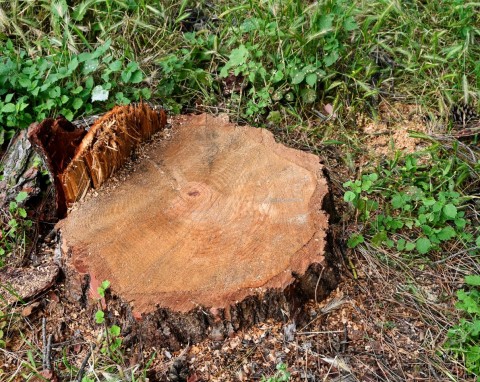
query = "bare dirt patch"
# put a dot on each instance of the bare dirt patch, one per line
(389, 132)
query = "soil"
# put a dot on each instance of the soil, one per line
(384, 322)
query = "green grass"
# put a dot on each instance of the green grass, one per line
(269, 63)
(289, 56)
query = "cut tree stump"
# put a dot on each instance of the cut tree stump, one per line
(217, 228)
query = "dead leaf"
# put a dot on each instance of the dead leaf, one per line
(329, 110)
(27, 311)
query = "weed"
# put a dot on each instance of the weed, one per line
(32, 89)
(282, 374)
(112, 341)
(287, 51)
(463, 338)
(421, 206)
(13, 238)
(3, 324)
(184, 75)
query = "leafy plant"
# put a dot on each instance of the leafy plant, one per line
(184, 74)
(3, 324)
(14, 227)
(282, 374)
(418, 206)
(463, 338)
(113, 341)
(287, 51)
(33, 88)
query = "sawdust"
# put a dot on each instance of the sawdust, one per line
(390, 131)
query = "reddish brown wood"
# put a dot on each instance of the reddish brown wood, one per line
(78, 160)
(218, 228)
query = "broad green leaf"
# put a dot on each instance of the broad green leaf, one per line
(446, 233)
(100, 317)
(9, 108)
(115, 330)
(398, 201)
(77, 103)
(90, 66)
(349, 196)
(55, 92)
(450, 211)
(311, 79)
(331, 58)
(238, 56)
(472, 280)
(409, 246)
(277, 76)
(22, 195)
(67, 114)
(77, 90)
(309, 95)
(146, 93)
(73, 64)
(423, 245)
(325, 22)
(137, 77)
(349, 24)
(24, 82)
(115, 66)
(354, 240)
(298, 77)
(126, 75)
(85, 56)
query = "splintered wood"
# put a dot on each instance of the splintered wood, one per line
(216, 229)
(78, 159)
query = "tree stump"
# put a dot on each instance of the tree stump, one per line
(218, 228)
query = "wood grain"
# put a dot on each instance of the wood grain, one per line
(210, 218)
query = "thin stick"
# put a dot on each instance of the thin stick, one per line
(318, 282)
(44, 343)
(81, 371)
(48, 351)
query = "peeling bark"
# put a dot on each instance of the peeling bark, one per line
(78, 160)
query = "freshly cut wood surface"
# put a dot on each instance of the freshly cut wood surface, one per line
(215, 215)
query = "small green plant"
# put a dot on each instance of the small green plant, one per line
(287, 51)
(412, 203)
(463, 338)
(3, 324)
(113, 341)
(33, 88)
(282, 374)
(184, 73)
(13, 234)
